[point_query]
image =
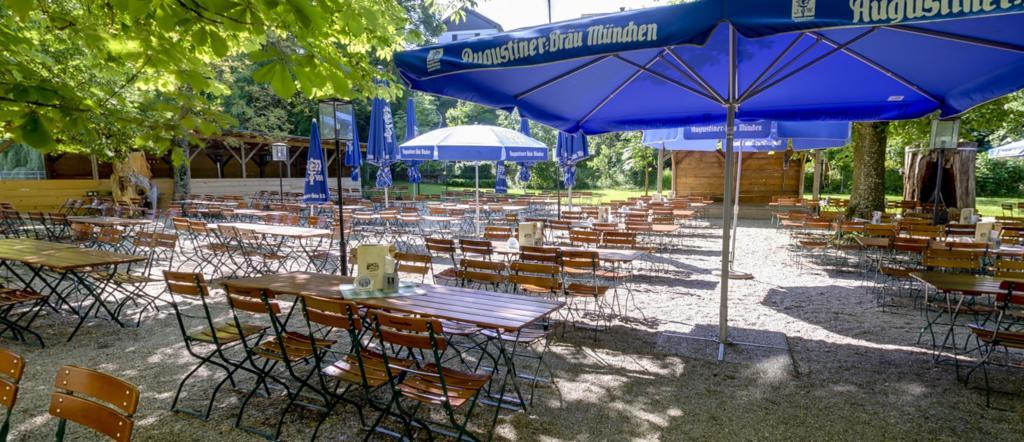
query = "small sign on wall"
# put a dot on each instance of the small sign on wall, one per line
(279, 151)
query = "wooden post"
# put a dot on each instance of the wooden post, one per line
(95, 168)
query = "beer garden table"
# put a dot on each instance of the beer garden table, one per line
(501, 312)
(54, 263)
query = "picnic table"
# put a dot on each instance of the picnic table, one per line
(960, 294)
(501, 312)
(51, 264)
(299, 244)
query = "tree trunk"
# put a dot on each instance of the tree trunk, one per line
(647, 179)
(868, 192)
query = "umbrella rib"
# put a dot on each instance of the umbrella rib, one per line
(755, 92)
(617, 90)
(697, 76)
(775, 62)
(882, 69)
(957, 38)
(668, 80)
(561, 77)
(754, 86)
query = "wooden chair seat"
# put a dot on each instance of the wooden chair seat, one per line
(525, 336)
(585, 290)
(963, 308)
(226, 333)
(896, 272)
(347, 369)
(459, 328)
(424, 385)
(296, 346)
(536, 289)
(17, 296)
(1013, 339)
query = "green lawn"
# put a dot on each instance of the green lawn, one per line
(989, 206)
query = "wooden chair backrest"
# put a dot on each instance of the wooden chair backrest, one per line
(12, 366)
(1009, 269)
(250, 300)
(332, 312)
(952, 259)
(75, 389)
(414, 263)
(535, 268)
(476, 247)
(440, 245)
(186, 284)
(484, 272)
(580, 259)
(110, 235)
(82, 232)
(408, 331)
(880, 230)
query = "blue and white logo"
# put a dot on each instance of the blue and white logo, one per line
(803, 10)
(434, 59)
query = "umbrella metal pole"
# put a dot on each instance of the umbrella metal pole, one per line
(558, 193)
(730, 129)
(733, 273)
(476, 216)
(661, 168)
(280, 181)
(341, 205)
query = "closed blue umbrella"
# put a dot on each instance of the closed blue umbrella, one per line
(571, 149)
(410, 132)
(500, 178)
(353, 156)
(315, 190)
(524, 167)
(380, 147)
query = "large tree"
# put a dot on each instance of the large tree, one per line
(869, 143)
(106, 76)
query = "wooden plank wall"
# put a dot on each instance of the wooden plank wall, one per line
(48, 195)
(763, 176)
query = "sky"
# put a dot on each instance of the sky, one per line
(514, 14)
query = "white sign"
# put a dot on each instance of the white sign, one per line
(279, 152)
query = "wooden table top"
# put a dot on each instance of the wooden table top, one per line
(256, 212)
(961, 282)
(208, 203)
(276, 230)
(108, 221)
(873, 241)
(612, 255)
(477, 307)
(59, 256)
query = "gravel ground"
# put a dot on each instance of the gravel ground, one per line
(850, 371)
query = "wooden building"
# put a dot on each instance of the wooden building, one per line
(763, 175)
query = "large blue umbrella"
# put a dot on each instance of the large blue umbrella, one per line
(410, 132)
(474, 143)
(718, 60)
(315, 190)
(524, 167)
(380, 147)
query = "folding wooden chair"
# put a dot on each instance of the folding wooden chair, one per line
(478, 249)
(11, 368)
(442, 249)
(1005, 334)
(536, 279)
(584, 238)
(76, 391)
(483, 273)
(221, 336)
(430, 385)
(284, 348)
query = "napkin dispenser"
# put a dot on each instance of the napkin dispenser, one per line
(530, 234)
(377, 269)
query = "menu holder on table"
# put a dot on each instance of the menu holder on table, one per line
(349, 292)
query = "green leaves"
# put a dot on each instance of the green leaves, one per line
(277, 75)
(33, 132)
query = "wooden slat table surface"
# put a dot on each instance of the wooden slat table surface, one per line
(271, 229)
(60, 256)
(477, 307)
(255, 212)
(108, 221)
(960, 282)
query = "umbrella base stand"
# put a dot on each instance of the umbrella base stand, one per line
(743, 351)
(735, 274)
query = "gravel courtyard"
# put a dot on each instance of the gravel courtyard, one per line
(837, 367)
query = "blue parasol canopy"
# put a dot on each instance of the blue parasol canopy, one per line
(571, 149)
(794, 60)
(1007, 151)
(500, 178)
(473, 143)
(757, 136)
(315, 191)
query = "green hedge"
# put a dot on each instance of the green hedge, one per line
(470, 182)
